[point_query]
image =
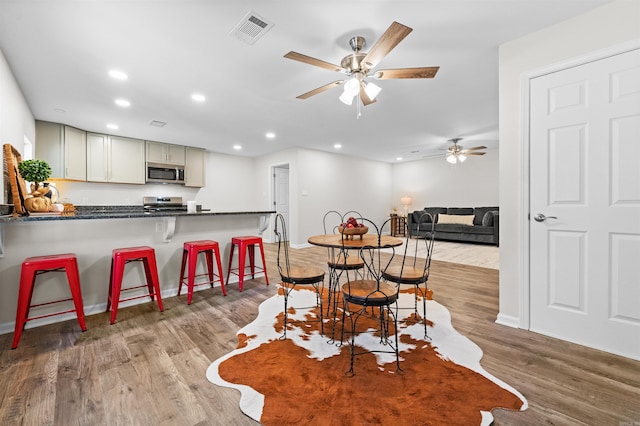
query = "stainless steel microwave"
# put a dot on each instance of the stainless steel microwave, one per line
(165, 173)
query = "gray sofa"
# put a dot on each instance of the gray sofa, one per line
(468, 224)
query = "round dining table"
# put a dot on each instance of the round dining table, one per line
(366, 241)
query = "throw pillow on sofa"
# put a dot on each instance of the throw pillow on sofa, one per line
(458, 219)
(479, 213)
(433, 211)
(487, 219)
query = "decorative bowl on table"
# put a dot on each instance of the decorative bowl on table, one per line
(350, 232)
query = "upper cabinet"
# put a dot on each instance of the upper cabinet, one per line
(75, 154)
(115, 159)
(165, 153)
(64, 148)
(127, 160)
(195, 167)
(97, 153)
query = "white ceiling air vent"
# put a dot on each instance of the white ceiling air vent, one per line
(251, 28)
(157, 123)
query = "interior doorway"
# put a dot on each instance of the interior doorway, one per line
(280, 191)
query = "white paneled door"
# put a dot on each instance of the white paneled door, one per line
(585, 204)
(281, 184)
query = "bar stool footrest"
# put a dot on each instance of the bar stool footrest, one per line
(51, 315)
(216, 278)
(145, 286)
(52, 303)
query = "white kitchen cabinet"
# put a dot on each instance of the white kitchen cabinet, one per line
(64, 148)
(195, 166)
(75, 154)
(115, 159)
(97, 153)
(165, 153)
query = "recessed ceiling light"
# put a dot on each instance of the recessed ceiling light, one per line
(112, 126)
(123, 103)
(198, 97)
(60, 110)
(270, 135)
(398, 158)
(237, 147)
(337, 146)
(118, 75)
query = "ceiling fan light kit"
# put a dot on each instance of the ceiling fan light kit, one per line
(453, 159)
(352, 87)
(372, 90)
(456, 153)
(358, 65)
(346, 98)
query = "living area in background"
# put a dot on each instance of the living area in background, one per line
(463, 224)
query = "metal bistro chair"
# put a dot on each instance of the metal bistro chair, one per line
(376, 293)
(340, 262)
(414, 269)
(293, 276)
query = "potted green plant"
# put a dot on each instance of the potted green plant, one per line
(36, 171)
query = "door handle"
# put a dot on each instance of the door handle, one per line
(541, 218)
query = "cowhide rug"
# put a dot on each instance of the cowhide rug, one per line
(301, 380)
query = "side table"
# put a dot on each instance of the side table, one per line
(398, 226)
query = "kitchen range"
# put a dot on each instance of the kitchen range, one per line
(163, 204)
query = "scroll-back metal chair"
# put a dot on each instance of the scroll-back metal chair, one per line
(298, 275)
(372, 292)
(340, 261)
(414, 269)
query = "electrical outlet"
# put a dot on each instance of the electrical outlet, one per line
(85, 201)
(159, 227)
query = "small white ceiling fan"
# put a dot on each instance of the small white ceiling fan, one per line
(457, 153)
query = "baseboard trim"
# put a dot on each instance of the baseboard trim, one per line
(508, 320)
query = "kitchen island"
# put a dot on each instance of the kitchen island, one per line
(92, 232)
(122, 212)
(115, 212)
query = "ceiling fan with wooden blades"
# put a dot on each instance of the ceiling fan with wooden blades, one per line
(457, 153)
(359, 65)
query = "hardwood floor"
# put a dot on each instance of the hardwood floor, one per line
(484, 255)
(149, 367)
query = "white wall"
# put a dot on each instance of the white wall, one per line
(342, 183)
(230, 184)
(16, 119)
(606, 26)
(321, 181)
(433, 182)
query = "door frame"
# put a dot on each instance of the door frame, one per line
(525, 87)
(273, 200)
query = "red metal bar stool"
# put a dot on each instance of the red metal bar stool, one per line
(191, 251)
(122, 256)
(34, 266)
(246, 243)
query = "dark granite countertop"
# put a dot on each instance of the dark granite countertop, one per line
(115, 212)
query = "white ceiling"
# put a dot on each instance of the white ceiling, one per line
(61, 51)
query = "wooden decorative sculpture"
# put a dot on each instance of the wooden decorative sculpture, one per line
(18, 187)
